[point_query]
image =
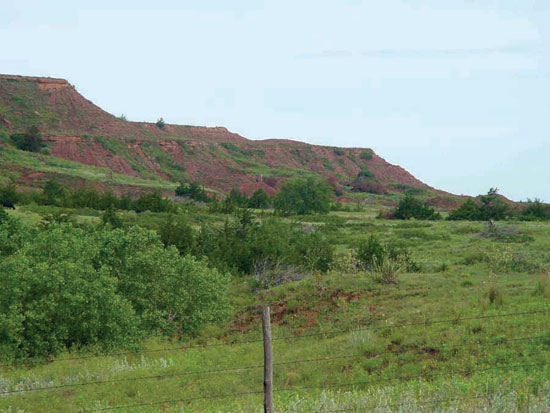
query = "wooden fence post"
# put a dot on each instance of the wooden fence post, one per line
(268, 361)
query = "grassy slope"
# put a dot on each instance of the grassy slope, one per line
(459, 271)
(13, 162)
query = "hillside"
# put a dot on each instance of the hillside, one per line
(124, 154)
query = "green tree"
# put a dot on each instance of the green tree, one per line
(410, 207)
(303, 196)
(110, 217)
(30, 141)
(535, 210)
(54, 297)
(9, 193)
(177, 232)
(259, 199)
(468, 211)
(492, 206)
(54, 193)
(193, 190)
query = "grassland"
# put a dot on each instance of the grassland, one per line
(437, 340)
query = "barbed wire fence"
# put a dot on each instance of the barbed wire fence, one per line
(542, 336)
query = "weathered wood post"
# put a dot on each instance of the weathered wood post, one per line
(268, 361)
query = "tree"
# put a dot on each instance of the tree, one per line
(492, 206)
(535, 210)
(9, 193)
(469, 211)
(30, 141)
(193, 190)
(237, 198)
(110, 217)
(303, 196)
(410, 207)
(259, 199)
(160, 123)
(53, 193)
(53, 297)
(177, 232)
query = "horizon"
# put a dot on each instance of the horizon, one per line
(434, 102)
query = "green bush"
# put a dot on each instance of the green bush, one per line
(66, 288)
(535, 211)
(258, 200)
(410, 207)
(365, 173)
(303, 196)
(177, 232)
(30, 141)
(9, 193)
(490, 207)
(160, 123)
(54, 296)
(193, 190)
(367, 154)
(371, 254)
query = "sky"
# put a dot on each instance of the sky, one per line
(455, 91)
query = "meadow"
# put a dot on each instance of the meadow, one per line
(466, 331)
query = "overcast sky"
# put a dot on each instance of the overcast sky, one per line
(455, 91)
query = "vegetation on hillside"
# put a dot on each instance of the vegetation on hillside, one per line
(303, 196)
(401, 334)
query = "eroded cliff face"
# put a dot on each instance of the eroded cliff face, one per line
(80, 131)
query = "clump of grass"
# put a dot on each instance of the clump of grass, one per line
(443, 267)
(345, 263)
(466, 283)
(495, 295)
(387, 271)
(475, 257)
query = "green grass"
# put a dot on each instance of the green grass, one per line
(11, 158)
(463, 275)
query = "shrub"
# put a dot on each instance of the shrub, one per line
(193, 190)
(387, 271)
(410, 207)
(365, 173)
(469, 211)
(110, 217)
(303, 196)
(9, 193)
(66, 287)
(177, 232)
(369, 186)
(535, 210)
(54, 194)
(30, 141)
(153, 202)
(367, 154)
(371, 252)
(258, 200)
(490, 207)
(53, 297)
(160, 123)
(339, 152)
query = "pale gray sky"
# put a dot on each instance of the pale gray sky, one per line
(455, 91)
